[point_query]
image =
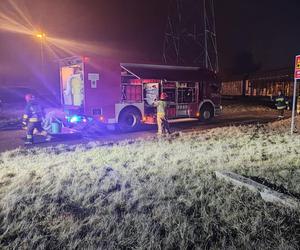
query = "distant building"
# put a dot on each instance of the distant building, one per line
(260, 84)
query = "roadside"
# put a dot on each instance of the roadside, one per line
(162, 191)
(12, 139)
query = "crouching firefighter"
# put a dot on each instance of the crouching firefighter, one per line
(162, 121)
(32, 119)
(281, 104)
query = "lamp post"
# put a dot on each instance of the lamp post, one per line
(42, 37)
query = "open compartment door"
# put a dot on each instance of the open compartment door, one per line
(72, 84)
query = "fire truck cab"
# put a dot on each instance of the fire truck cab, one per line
(122, 94)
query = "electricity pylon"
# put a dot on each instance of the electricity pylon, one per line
(190, 37)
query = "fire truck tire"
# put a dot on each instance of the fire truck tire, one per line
(206, 112)
(129, 120)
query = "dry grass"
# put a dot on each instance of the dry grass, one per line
(10, 115)
(237, 108)
(159, 194)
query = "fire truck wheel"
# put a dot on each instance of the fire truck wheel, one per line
(206, 112)
(129, 120)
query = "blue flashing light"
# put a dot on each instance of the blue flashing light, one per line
(75, 119)
(78, 119)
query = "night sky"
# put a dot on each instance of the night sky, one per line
(264, 33)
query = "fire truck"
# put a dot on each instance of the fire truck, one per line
(122, 94)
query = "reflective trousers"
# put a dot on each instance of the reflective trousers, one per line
(30, 128)
(280, 112)
(162, 124)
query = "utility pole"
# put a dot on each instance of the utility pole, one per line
(41, 36)
(205, 35)
(190, 36)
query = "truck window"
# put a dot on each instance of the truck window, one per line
(132, 93)
(186, 95)
(214, 86)
(171, 94)
(170, 89)
(151, 93)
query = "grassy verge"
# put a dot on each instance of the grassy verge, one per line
(238, 108)
(10, 116)
(151, 194)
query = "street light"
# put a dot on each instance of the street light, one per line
(42, 37)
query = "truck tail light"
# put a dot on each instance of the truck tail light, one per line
(198, 114)
(101, 118)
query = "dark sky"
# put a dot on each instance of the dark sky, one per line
(267, 30)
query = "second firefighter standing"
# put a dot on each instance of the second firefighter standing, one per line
(281, 104)
(161, 115)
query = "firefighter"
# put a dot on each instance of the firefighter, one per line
(73, 93)
(281, 104)
(162, 122)
(32, 119)
(76, 87)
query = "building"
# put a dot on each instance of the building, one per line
(261, 85)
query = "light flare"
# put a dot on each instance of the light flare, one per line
(40, 35)
(72, 47)
(13, 19)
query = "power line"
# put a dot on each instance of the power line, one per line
(190, 36)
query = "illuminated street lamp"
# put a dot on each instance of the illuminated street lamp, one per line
(42, 37)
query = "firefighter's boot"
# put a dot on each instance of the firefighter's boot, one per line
(48, 138)
(29, 140)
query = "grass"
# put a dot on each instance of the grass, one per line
(10, 115)
(158, 194)
(237, 108)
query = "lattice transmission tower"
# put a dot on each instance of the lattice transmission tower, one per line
(190, 37)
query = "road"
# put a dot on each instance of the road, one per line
(13, 139)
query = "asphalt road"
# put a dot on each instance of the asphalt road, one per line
(13, 139)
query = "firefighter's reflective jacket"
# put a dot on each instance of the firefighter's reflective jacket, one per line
(281, 102)
(161, 106)
(33, 112)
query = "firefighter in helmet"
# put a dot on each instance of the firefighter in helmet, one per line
(162, 122)
(32, 119)
(281, 104)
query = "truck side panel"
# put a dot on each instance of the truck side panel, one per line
(102, 88)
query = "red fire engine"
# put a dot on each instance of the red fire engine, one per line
(122, 94)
